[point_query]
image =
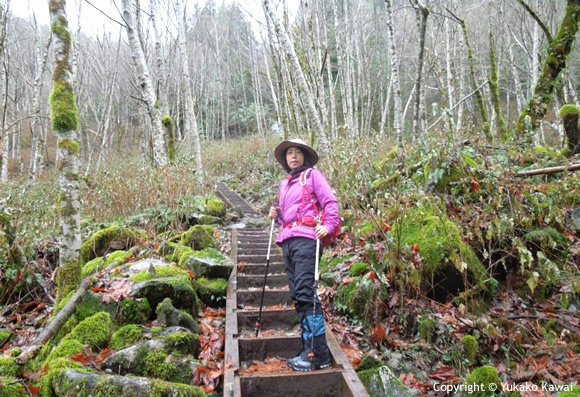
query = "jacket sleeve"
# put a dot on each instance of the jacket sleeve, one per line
(327, 200)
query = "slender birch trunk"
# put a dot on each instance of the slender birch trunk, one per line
(324, 145)
(158, 135)
(64, 117)
(191, 129)
(35, 120)
(398, 103)
(449, 78)
(494, 88)
(419, 117)
(159, 62)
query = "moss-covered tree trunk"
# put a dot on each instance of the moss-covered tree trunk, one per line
(64, 118)
(570, 115)
(159, 150)
(474, 84)
(557, 54)
(494, 88)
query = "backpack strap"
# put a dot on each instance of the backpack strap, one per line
(306, 191)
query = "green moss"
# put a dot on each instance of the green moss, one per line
(8, 367)
(100, 242)
(355, 297)
(134, 311)
(63, 108)
(5, 334)
(65, 349)
(426, 328)
(443, 251)
(216, 207)
(569, 111)
(54, 367)
(198, 238)
(167, 121)
(93, 331)
(183, 342)
(163, 389)
(72, 147)
(157, 365)
(382, 382)
(68, 277)
(471, 348)
(161, 271)
(125, 336)
(168, 315)
(483, 375)
(358, 269)
(211, 292)
(179, 253)
(368, 362)
(9, 387)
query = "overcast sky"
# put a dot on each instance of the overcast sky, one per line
(93, 22)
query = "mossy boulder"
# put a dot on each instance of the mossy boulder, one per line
(133, 311)
(382, 382)
(55, 367)
(198, 237)
(158, 272)
(215, 207)
(93, 331)
(125, 336)
(208, 262)
(212, 292)
(101, 262)
(483, 375)
(178, 289)
(65, 349)
(72, 382)
(169, 316)
(445, 256)
(5, 335)
(110, 239)
(175, 340)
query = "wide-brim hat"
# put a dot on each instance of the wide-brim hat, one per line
(280, 151)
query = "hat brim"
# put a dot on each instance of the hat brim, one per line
(280, 152)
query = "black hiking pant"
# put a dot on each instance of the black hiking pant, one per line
(299, 258)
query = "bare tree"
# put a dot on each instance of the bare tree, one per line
(148, 95)
(64, 117)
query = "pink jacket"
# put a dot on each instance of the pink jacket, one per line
(291, 210)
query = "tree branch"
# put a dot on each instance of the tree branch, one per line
(549, 170)
(537, 19)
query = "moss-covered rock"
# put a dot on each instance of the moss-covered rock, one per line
(93, 331)
(178, 289)
(10, 387)
(208, 262)
(100, 263)
(65, 349)
(169, 316)
(5, 335)
(483, 375)
(215, 207)
(72, 382)
(445, 256)
(158, 272)
(110, 239)
(134, 311)
(184, 342)
(382, 382)
(125, 336)
(212, 292)
(471, 348)
(54, 367)
(198, 238)
(8, 367)
(575, 392)
(369, 362)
